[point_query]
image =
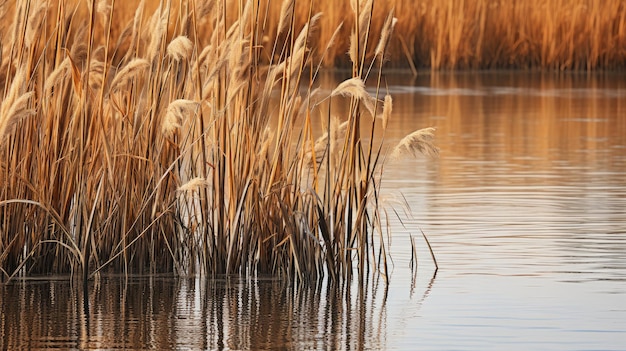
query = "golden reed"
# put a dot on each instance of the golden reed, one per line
(478, 34)
(453, 34)
(175, 137)
(446, 34)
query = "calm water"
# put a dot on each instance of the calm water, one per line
(525, 209)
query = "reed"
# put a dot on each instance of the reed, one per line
(153, 146)
(483, 34)
(462, 34)
(435, 34)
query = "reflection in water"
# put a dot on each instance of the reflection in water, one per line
(531, 176)
(525, 209)
(166, 313)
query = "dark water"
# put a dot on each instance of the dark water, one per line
(525, 210)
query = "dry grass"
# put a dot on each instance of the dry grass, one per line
(549, 34)
(451, 34)
(448, 34)
(153, 146)
(553, 34)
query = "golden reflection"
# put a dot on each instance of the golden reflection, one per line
(168, 313)
(532, 122)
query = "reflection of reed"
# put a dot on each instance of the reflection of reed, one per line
(40, 315)
(531, 175)
(268, 315)
(522, 120)
(166, 313)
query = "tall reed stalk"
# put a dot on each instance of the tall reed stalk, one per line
(155, 146)
(461, 34)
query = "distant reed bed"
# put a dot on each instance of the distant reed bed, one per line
(480, 34)
(442, 34)
(453, 34)
(548, 34)
(153, 145)
(462, 34)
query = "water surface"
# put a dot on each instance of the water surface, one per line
(525, 210)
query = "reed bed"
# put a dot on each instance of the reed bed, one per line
(447, 34)
(479, 34)
(483, 34)
(547, 34)
(462, 34)
(153, 145)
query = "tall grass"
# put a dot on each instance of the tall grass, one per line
(155, 146)
(551, 34)
(460, 34)
(548, 34)
(448, 34)
(452, 34)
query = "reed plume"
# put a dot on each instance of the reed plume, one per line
(132, 69)
(15, 105)
(58, 75)
(175, 115)
(286, 15)
(180, 48)
(419, 142)
(194, 184)
(355, 88)
(385, 35)
(158, 28)
(12, 112)
(35, 21)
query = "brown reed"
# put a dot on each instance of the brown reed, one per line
(450, 34)
(461, 34)
(147, 146)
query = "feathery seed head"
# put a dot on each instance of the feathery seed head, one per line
(132, 69)
(57, 75)
(355, 88)
(34, 22)
(286, 14)
(13, 112)
(193, 185)
(158, 26)
(103, 8)
(175, 114)
(419, 142)
(385, 35)
(180, 48)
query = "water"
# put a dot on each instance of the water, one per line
(525, 210)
